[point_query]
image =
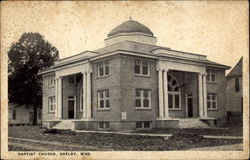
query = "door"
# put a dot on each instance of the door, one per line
(190, 107)
(71, 107)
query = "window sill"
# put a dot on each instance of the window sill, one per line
(52, 86)
(174, 109)
(108, 109)
(143, 108)
(141, 75)
(98, 77)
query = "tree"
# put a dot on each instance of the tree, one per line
(26, 58)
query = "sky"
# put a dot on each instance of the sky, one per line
(217, 29)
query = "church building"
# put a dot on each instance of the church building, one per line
(131, 83)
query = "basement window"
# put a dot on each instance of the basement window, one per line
(142, 125)
(103, 125)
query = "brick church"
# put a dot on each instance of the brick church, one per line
(132, 83)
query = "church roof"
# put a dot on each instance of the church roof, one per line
(130, 26)
(237, 70)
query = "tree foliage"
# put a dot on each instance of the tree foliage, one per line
(26, 58)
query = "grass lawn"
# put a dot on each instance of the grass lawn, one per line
(230, 131)
(179, 141)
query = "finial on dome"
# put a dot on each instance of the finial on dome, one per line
(130, 18)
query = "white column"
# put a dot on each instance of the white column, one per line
(205, 95)
(165, 82)
(84, 95)
(160, 89)
(88, 95)
(56, 99)
(59, 98)
(200, 97)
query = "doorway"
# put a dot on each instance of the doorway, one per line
(71, 107)
(189, 104)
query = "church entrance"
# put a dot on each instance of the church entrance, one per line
(189, 104)
(71, 107)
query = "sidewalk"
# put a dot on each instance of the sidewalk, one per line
(233, 147)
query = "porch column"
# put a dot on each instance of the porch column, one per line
(205, 94)
(84, 95)
(160, 89)
(56, 98)
(88, 93)
(200, 97)
(165, 82)
(59, 95)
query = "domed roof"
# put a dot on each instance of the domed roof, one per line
(130, 26)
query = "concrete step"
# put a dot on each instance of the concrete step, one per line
(64, 124)
(192, 123)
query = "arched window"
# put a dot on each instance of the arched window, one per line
(174, 93)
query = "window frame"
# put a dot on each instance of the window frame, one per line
(140, 63)
(142, 123)
(210, 73)
(51, 104)
(106, 125)
(173, 93)
(210, 101)
(173, 100)
(105, 98)
(141, 98)
(104, 65)
(51, 80)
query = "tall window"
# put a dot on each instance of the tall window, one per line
(211, 101)
(14, 114)
(52, 104)
(174, 93)
(142, 68)
(211, 75)
(52, 80)
(142, 98)
(103, 69)
(103, 99)
(237, 84)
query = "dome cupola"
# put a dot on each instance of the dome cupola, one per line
(132, 31)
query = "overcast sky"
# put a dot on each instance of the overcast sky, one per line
(216, 29)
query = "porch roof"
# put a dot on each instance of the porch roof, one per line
(136, 48)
